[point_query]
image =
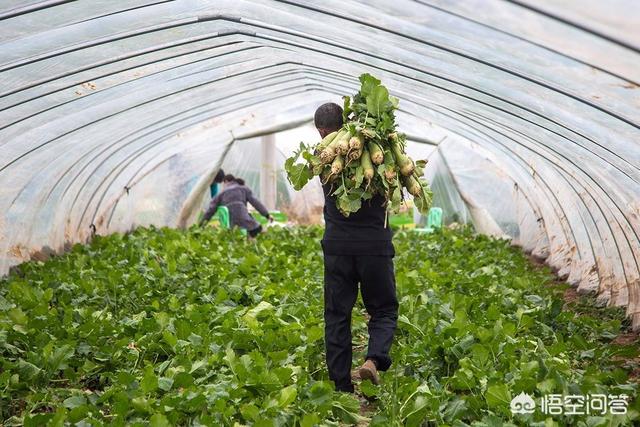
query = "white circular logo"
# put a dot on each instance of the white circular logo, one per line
(523, 404)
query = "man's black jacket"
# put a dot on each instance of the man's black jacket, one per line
(362, 233)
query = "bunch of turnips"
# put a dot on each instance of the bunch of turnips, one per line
(365, 157)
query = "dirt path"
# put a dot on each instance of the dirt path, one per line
(367, 408)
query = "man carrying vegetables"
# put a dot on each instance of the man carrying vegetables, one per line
(357, 249)
(365, 174)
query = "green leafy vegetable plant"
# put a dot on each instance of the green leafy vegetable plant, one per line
(201, 327)
(365, 157)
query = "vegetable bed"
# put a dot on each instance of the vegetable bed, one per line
(164, 327)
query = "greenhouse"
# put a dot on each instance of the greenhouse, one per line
(137, 287)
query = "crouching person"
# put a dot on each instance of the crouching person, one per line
(235, 196)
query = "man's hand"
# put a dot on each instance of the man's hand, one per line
(270, 218)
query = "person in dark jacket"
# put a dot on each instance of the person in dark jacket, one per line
(235, 196)
(357, 250)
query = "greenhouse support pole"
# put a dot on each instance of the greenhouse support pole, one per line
(268, 171)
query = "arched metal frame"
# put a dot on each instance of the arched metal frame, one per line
(114, 114)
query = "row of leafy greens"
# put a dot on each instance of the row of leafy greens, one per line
(201, 327)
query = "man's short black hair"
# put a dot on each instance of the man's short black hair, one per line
(328, 116)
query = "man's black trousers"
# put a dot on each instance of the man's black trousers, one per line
(342, 273)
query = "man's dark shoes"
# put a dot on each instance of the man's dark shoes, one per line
(346, 388)
(368, 371)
